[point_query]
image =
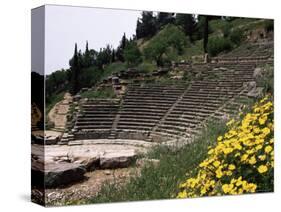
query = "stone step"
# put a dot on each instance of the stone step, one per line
(140, 116)
(194, 105)
(135, 123)
(139, 119)
(93, 123)
(182, 120)
(144, 110)
(172, 116)
(93, 127)
(148, 103)
(134, 127)
(95, 119)
(172, 132)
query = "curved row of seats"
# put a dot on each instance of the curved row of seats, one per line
(174, 110)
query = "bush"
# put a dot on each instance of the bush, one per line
(89, 76)
(146, 67)
(242, 161)
(236, 36)
(218, 44)
(132, 54)
(226, 29)
(269, 25)
(266, 79)
(170, 37)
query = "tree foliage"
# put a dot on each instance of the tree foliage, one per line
(120, 48)
(132, 54)
(188, 23)
(75, 68)
(219, 44)
(164, 18)
(171, 37)
(146, 25)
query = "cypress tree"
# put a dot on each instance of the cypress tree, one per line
(206, 33)
(188, 23)
(86, 60)
(75, 72)
(113, 56)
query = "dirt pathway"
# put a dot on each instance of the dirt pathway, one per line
(89, 188)
(58, 113)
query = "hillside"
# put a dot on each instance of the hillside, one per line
(158, 108)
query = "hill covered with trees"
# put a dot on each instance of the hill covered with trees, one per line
(160, 39)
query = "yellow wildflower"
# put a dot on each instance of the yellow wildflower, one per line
(268, 149)
(252, 160)
(244, 157)
(182, 194)
(262, 169)
(219, 173)
(216, 163)
(262, 157)
(231, 167)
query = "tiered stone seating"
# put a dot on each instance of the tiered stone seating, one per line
(203, 99)
(258, 53)
(144, 106)
(158, 112)
(96, 118)
(150, 110)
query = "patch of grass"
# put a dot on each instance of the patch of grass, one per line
(252, 24)
(113, 68)
(243, 21)
(54, 99)
(266, 79)
(195, 49)
(103, 93)
(219, 44)
(161, 182)
(146, 67)
(218, 25)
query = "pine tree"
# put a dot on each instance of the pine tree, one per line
(113, 56)
(164, 18)
(75, 69)
(146, 26)
(206, 33)
(188, 23)
(87, 47)
(139, 33)
(86, 60)
(120, 49)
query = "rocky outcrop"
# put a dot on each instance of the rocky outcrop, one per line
(57, 174)
(120, 159)
(66, 164)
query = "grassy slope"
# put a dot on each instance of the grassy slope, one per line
(54, 100)
(216, 26)
(105, 93)
(113, 68)
(161, 182)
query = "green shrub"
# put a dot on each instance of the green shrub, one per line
(170, 37)
(217, 45)
(236, 36)
(226, 29)
(265, 80)
(269, 25)
(132, 54)
(146, 67)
